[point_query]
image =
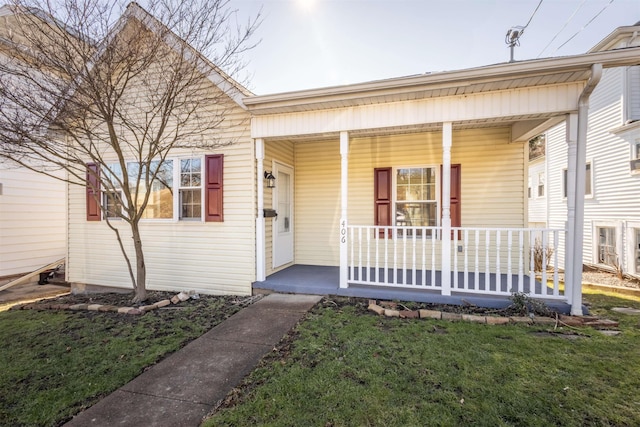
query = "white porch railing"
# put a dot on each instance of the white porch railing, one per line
(488, 261)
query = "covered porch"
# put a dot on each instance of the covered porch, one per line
(323, 280)
(345, 153)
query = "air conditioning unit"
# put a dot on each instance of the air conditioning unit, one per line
(634, 165)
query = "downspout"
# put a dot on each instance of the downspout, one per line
(581, 160)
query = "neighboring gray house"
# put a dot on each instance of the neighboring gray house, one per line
(612, 175)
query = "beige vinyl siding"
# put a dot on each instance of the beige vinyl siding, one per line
(317, 202)
(492, 183)
(280, 151)
(208, 257)
(32, 220)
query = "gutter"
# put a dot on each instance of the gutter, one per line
(576, 236)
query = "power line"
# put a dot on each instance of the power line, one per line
(585, 26)
(532, 15)
(563, 27)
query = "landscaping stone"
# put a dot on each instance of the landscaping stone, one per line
(627, 310)
(376, 308)
(175, 299)
(124, 310)
(541, 320)
(520, 319)
(135, 311)
(451, 316)
(409, 314)
(389, 304)
(94, 307)
(76, 307)
(391, 313)
(146, 308)
(473, 318)
(106, 308)
(571, 320)
(430, 314)
(494, 320)
(163, 303)
(183, 296)
(602, 323)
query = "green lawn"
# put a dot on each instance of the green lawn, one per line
(347, 367)
(55, 363)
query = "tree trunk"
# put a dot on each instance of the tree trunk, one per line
(140, 287)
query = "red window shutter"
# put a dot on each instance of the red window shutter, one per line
(382, 197)
(93, 187)
(213, 188)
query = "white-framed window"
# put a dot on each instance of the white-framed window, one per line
(416, 196)
(190, 190)
(541, 184)
(633, 247)
(176, 193)
(588, 181)
(607, 243)
(529, 188)
(636, 150)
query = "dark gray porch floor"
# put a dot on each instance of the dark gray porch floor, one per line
(321, 280)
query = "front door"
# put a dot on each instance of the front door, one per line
(283, 222)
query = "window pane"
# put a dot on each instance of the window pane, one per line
(160, 204)
(416, 214)
(112, 202)
(190, 173)
(190, 204)
(607, 246)
(587, 180)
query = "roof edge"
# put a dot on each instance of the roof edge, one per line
(611, 58)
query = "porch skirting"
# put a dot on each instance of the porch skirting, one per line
(322, 280)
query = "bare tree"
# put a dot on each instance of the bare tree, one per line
(105, 91)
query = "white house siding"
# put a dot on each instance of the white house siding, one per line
(537, 205)
(280, 151)
(208, 257)
(32, 220)
(616, 191)
(492, 172)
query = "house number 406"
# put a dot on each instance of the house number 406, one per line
(343, 232)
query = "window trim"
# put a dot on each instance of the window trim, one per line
(394, 194)
(564, 178)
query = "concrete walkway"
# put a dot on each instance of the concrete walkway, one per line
(183, 388)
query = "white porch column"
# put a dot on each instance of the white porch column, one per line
(572, 141)
(344, 197)
(260, 228)
(446, 208)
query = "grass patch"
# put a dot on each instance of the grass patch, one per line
(56, 363)
(345, 366)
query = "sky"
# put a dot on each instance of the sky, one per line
(306, 44)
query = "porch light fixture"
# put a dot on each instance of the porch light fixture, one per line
(271, 180)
